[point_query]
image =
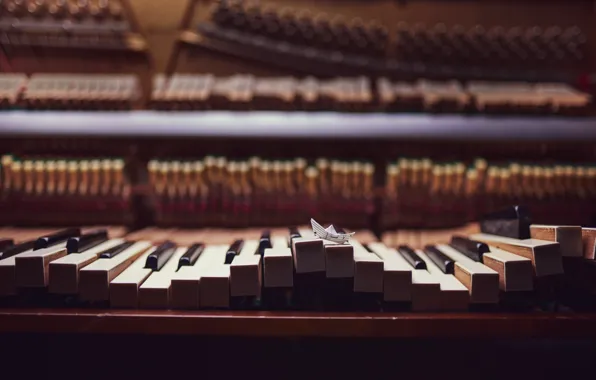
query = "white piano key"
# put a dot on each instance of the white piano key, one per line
(245, 272)
(155, 291)
(8, 284)
(32, 268)
(64, 272)
(515, 272)
(545, 255)
(397, 274)
(339, 260)
(481, 281)
(453, 294)
(124, 289)
(425, 291)
(278, 266)
(308, 254)
(215, 287)
(185, 284)
(568, 237)
(368, 270)
(95, 278)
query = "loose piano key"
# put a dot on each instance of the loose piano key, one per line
(185, 285)
(124, 289)
(57, 237)
(160, 256)
(454, 295)
(116, 250)
(472, 249)
(84, 242)
(515, 272)
(32, 268)
(481, 281)
(545, 255)
(568, 237)
(278, 278)
(64, 272)
(445, 263)
(411, 257)
(191, 255)
(339, 273)
(589, 243)
(155, 291)
(246, 275)
(513, 222)
(309, 263)
(397, 275)
(95, 278)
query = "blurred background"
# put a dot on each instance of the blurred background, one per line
(379, 115)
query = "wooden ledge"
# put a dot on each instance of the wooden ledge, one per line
(288, 324)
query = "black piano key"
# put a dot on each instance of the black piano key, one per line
(191, 255)
(444, 262)
(5, 243)
(264, 243)
(16, 249)
(86, 241)
(160, 256)
(55, 238)
(513, 222)
(293, 234)
(471, 248)
(116, 250)
(234, 251)
(411, 257)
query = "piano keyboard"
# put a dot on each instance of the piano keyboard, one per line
(282, 269)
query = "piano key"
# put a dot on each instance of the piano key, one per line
(264, 242)
(426, 290)
(397, 274)
(64, 272)
(155, 291)
(245, 272)
(339, 273)
(32, 268)
(215, 285)
(233, 251)
(17, 248)
(8, 284)
(589, 243)
(472, 249)
(512, 222)
(185, 288)
(481, 281)
(454, 295)
(368, 270)
(278, 277)
(57, 237)
(445, 263)
(191, 255)
(293, 233)
(116, 250)
(411, 257)
(95, 278)
(160, 256)
(124, 289)
(84, 242)
(545, 255)
(309, 276)
(515, 272)
(568, 237)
